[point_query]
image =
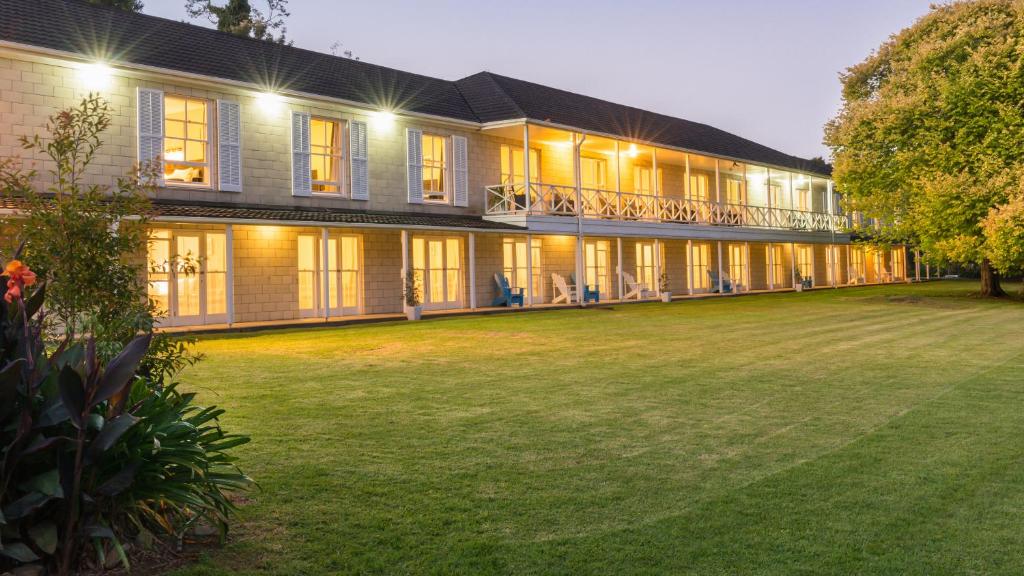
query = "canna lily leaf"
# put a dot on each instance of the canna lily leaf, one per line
(113, 430)
(119, 482)
(26, 505)
(44, 535)
(41, 443)
(72, 394)
(35, 301)
(47, 483)
(19, 552)
(120, 370)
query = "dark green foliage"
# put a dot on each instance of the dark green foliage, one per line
(129, 5)
(95, 454)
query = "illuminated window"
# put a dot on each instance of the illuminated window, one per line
(594, 172)
(777, 260)
(186, 140)
(514, 254)
(699, 187)
(435, 168)
(512, 165)
(700, 258)
(805, 261)
(325, 155)
(738, 264)
(642, 180)
(733, 191)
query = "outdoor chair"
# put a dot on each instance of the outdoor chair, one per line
(507, 295)
(855, 277)
(587, 294)
(726, 286)
(632, 288)
(564, 292)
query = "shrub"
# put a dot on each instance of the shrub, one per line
(93, 453)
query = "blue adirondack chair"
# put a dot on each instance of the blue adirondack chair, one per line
(586, 292)
(507, 295)
(726, 282)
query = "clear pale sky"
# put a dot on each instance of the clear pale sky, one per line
(764, 69)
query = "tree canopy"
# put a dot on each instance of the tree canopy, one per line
(238, 17)
(129, 5)
(930, 138)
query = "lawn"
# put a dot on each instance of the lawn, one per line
(857, 431)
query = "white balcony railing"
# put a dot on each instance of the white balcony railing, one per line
(560, 200)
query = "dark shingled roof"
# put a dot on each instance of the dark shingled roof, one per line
(494, 97)
(224, 211)
(115, 35)
(122, 37)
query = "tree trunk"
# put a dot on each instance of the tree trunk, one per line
(990, 281)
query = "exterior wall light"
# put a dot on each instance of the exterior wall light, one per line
(269, 102)
(95, 76)
(383, 119)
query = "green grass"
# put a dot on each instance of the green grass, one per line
(860, 431)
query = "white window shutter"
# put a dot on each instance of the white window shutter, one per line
(301, 180)
(358, 152)
(415, 152)
(151, 128)
(229, 145)
(460, 163)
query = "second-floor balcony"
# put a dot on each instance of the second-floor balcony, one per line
(542, 199)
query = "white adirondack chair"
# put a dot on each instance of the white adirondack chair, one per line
(633, 289)
(886, 275)
(564, 292)
(854, 275)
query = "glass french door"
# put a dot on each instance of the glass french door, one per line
(344, 284)
(858, 263)
(645, 270)
(700, 259)
(777, 269)
(597, 261)
(514, 265)
(831, 264)
(188, 276)
(512, 165)
(805, 261)
(738, 264)
(437, 270)
(899, 271)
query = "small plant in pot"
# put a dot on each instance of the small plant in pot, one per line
(413, 298)
(663, 287)
(798, 282)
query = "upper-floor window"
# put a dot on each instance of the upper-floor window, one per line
(594, 173)
(512, 165)
(642, 180)
(186, 150)
(699, 187)
(435, 168)
(733, 191)
(325, 156)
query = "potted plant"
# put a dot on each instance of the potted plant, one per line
(666, 294)
(413, 299)
(798, 281)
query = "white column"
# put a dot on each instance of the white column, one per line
(917, 265)
(721, 280)
(405, 262)
(689, 267)
(792, 261)
(618, 261)
(472, 271)
(686, 185)
(529, 270)
(654, 183)
(835, 264)
(580, 280)
(849, 264)
(229, 254)
(718, 184)
(928, 270)
(657, 267)
(526, 165)
(746, 267)
(771, 267)
(325, 279)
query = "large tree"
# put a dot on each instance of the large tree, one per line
(930, 138)
(238, 17)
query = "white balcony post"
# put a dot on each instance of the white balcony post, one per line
(657, 267)
(325, 280)
(580, 280)
(746, 267)
(792, 259)
(849, 264)
(526, 166)
(229, 255)
(689, 267)
(618, 182)
(405, 262)
(529, 270)
(654, 183)
(792, 200)
(718, 184)
(834, 250)
(917, 265)
(686, 185)
(721, 280)
(618, 261)
(771, 267)
(472, 271)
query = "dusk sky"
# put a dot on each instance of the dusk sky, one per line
(766, 70)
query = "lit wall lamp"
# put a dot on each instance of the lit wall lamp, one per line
(95, 76)
(269, 102)
(383, 119)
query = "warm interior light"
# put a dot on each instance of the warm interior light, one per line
(95, 76)
(632, 151)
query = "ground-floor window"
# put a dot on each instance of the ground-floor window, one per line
(187, 276)
(805, 261)
(645, 269)
(738, 264)
(437, 270)
(898, 264)
(859, 270)
(514, 265)
(597, 265)
(776, 266)
(700, 259)
(344, 284)
(831, 264)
